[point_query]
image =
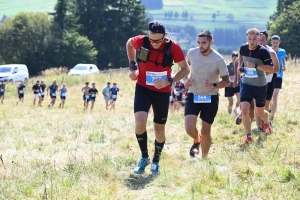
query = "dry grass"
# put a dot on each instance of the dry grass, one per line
(71, 154)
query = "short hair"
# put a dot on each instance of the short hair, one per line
(265, 33)
(252, 31)
(205, 33)
(234, 54)
(86, 83)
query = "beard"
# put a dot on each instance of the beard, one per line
(202, 50)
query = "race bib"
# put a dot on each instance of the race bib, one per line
(37, 90)
(113, 96)
(63, 94)
(152, 76)
(21, 91)
(93, 95)
(53, 94)
(202, 99)
(42, 93)
(87, 96)
(250, 72)
(2, 90)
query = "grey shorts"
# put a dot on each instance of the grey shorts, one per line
(106, 98)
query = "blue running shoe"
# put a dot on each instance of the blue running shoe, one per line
(140, 168)
(154, 168)
(238, 119)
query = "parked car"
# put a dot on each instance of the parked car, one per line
(83, 69)
(14, 73)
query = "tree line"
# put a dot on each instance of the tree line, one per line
(79, 31)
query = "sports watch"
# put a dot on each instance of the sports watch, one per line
(170, 80)
(256, 65)
(215, 85)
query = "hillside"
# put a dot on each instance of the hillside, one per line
(245, 12)
(227, 19)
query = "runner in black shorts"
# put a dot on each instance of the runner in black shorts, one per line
(53, 89)
(263, 40)
(42, 89)
(113, 91)
(2, 90)
(93, 92)
(21, 89)
(230, 91)
(203, 98)
(153, 88)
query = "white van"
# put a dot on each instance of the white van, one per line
(83, 69)
(14, 73)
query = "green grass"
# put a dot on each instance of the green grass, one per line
(66, 153)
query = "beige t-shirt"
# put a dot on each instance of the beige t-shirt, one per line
(209, 67)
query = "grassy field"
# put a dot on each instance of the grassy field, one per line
(66, 153)
(246, 12)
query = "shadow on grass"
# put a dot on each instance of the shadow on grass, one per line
(137, 182)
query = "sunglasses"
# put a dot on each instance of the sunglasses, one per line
(156, 41)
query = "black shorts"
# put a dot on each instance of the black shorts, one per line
(93, 99)
(42, 96)
(230, 91)
(62, 97)
(179, 97)
(113, 99)
(208, 111)
(21, 96)
(52, 97)
(249, 92)
(1, 94)
(278, 83)
(270, 88)
(145, 97)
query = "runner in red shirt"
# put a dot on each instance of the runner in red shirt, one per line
(153, 86)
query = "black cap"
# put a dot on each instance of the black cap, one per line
(156, 27)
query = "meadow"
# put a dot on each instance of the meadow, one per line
(246, 12)
(69, 153)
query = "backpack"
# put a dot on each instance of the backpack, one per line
(167, 55)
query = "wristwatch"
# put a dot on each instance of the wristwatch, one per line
(215, 85)
(170, 80)
(256, 65)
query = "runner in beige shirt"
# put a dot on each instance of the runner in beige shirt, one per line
(207, 65)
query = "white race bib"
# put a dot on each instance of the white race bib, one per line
(2, 90)
(152, 76)
(63, 94)
(42, 93)
(87, 96)
(53, 94)
(269, 78)
(93, 95)
(113, 96)
(250, 72)
(21, 91)
(202, 99)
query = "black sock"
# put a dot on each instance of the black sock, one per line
(142, 140)
(249, 134)
(158, 149)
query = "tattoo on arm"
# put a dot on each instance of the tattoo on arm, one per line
(225, 78)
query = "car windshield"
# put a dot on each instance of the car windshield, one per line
(5, 69)
(80, 67)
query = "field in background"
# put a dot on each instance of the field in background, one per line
(66, 153)
(246, 12)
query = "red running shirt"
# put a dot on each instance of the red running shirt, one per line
(149, 66)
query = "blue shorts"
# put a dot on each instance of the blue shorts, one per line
(93, 99)
(249, 92)
(1, 94)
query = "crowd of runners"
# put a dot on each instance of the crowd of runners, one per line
(254, 76)
(39, 90)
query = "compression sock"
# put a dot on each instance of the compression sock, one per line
(158, 149)
(142, 140)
